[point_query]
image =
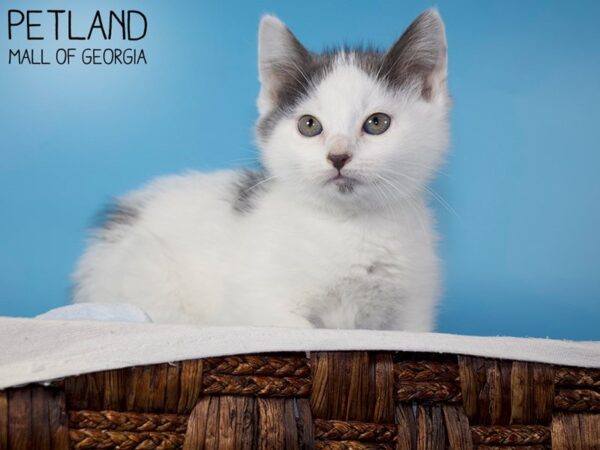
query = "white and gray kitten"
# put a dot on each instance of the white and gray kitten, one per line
(335, 231)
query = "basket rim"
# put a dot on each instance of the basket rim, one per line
(35, 350)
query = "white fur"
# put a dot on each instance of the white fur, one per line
(306, 254)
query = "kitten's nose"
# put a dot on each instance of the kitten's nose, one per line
(339, 160)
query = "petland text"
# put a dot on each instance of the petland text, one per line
(59, 25)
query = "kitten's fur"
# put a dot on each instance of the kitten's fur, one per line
(285, 246)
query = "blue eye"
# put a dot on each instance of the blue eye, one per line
(309, 126)
(377, 123)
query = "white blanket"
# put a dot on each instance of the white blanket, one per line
(35, 350)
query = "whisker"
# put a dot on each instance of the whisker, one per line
(410, 200)
(438, 197)
(254, 186)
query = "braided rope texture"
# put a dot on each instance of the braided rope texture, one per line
(510, 435)
(354, 431)
(130, 421)
(258, 365)
(254, 385)
(124, 440)
(330, 400)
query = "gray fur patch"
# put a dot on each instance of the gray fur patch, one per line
(247, 188)
(346, 188)
(117, 214)
(315, 320)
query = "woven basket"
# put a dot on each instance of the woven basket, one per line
(330, 400)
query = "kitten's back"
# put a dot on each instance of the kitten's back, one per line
(152, 240)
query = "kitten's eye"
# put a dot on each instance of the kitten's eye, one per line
(309, 126)
(377, 123)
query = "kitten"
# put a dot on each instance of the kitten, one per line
(334, 232)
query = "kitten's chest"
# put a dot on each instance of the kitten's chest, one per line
(334, 273)
(323, 253)
(349, 277)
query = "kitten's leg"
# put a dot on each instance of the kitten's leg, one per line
(374, 304)
(382, 313)
(387, 306)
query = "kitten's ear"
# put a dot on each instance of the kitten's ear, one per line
(281, 60)
(420, 56)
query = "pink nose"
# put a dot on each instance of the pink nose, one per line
(339, 160)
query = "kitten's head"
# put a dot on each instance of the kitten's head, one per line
(354, 127)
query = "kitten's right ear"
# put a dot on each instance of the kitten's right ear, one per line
(281, 58)
(420, 56)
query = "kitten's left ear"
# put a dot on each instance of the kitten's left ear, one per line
(281, 61)
(420, 56)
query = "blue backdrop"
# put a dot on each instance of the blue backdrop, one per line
(522, 252)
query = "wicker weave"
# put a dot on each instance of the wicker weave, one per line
(332, 400)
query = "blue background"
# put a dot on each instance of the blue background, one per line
(522, 252)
